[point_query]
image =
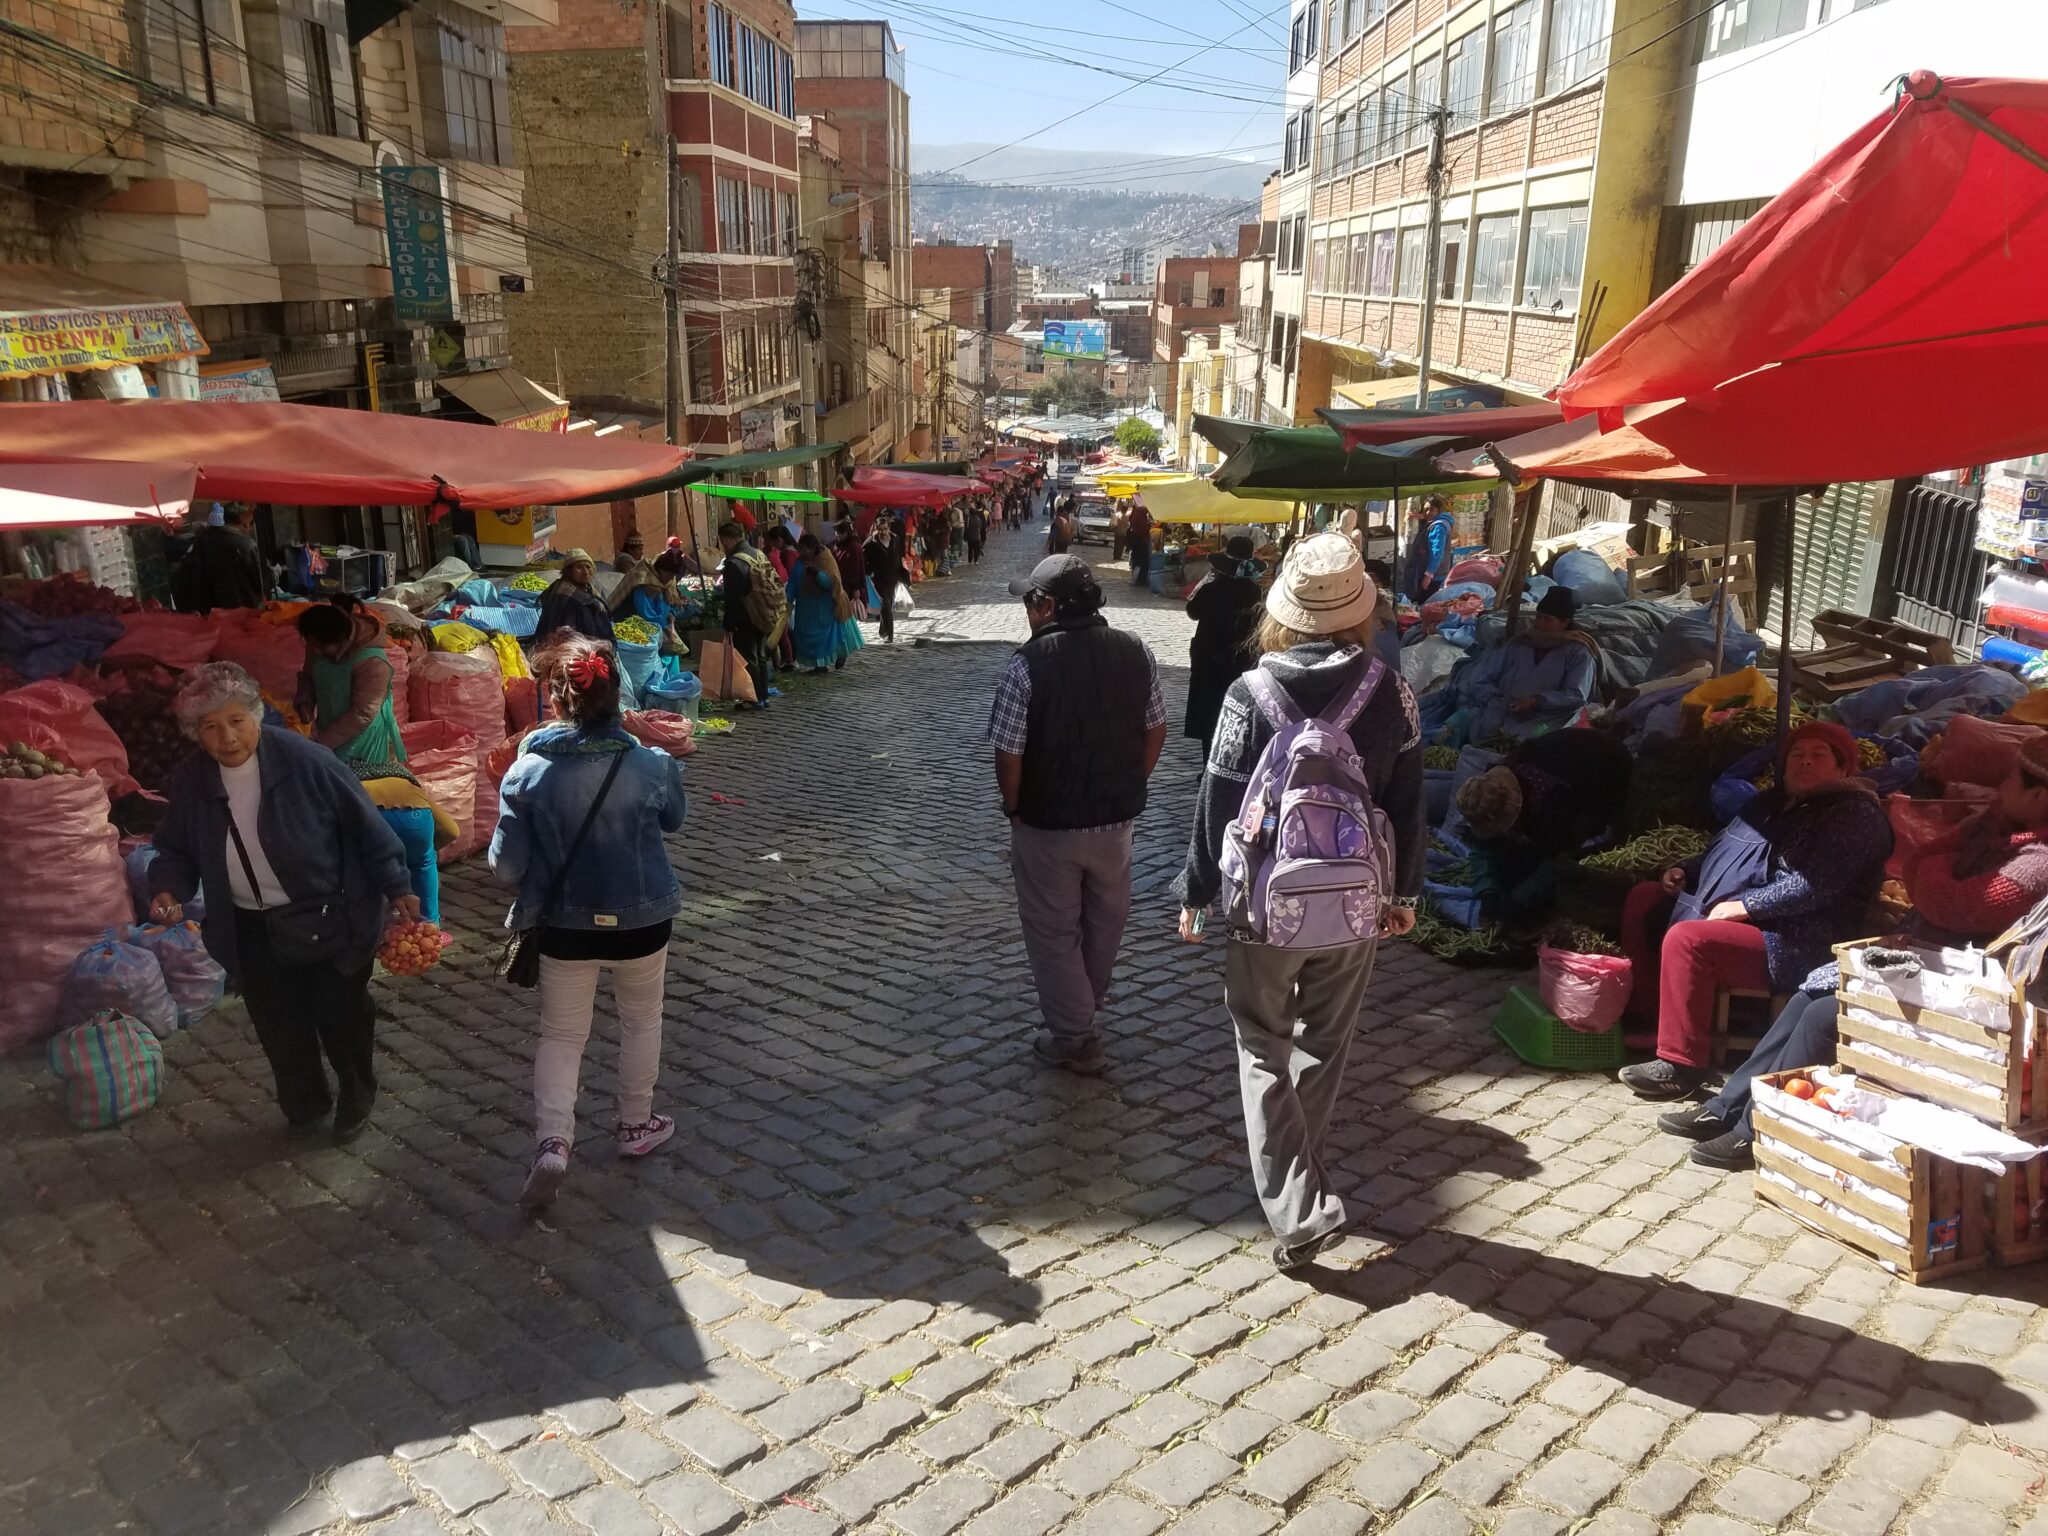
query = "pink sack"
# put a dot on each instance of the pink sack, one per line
(465, 688)
(273, 654)
(1974, 751)
(445, 761)
(175, 640)
(659, 728)
(62, 884)
(1586, 992)
(59, 718)
(401, 667)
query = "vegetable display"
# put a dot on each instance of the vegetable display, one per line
(1578, 939)
(1439, 757)
(635, 631)
(22, 761)
(531, 581)
(1754, 727)
(140, 713)
(1447, 941)
(1652, 853)
(64, 599)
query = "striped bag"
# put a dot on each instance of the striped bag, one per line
(111, 1067)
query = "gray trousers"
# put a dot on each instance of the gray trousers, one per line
(1290, 1081)
(1073, 899)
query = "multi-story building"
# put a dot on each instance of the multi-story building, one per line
(1249, 376)
(1036, 311)
(1201, 388)
(982, 283)
(593, 103)
(242, 182)
(1137, 267)
(1193, 296)
(1556, 150)
(850, 82)
(1284, 205)
(1027, 285)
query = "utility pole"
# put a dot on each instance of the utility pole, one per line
(809, 270)
(672, 263)
(1432, 252)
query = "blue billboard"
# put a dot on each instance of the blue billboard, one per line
(1077, 338)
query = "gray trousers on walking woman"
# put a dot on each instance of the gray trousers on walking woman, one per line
(1290, 1081)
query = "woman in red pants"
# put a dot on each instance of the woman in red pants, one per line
(1789, 878)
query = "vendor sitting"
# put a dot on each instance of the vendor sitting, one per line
(654, 595)
(1967, 887)
(1790, 877)
(1537, 681)
(345, 686)
(1551, 796)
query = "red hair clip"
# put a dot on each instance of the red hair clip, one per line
(590, 668)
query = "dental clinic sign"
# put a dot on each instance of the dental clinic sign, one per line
(416, 234)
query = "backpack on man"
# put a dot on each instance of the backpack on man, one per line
(1308, 862)
(766, 603)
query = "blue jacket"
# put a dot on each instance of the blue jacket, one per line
(1559, 678)
(317, 828)
(622, 878)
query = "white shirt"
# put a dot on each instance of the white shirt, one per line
(245, 795)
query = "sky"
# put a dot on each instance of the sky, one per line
(992, 71)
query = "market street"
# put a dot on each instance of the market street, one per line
(892, 1274)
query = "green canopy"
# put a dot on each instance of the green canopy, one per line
(763, 493)
(1228, 432)
(691, 471)
(1311, 464)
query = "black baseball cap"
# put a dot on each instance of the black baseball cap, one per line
(1060, 577)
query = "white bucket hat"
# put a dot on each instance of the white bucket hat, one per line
(1322, 588)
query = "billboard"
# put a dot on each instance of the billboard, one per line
(1077, 338)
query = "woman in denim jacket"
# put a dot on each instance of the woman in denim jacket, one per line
(617, 901)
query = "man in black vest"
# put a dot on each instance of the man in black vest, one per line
(1077, 728)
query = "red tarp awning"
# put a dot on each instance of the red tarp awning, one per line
(1372, 428)
(67, 495)
(902, 488)
(317, 456)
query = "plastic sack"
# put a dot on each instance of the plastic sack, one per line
(1974, 751)
(401, 682)
(1746, 689)
(444, 758)
(1917, 823)
(723, 673)
(499, 760)
(194, 978)
(678, 693)
(61, 718)
(1688, 639)
(642, 664)
(273, 654)
(62, 885)
(466, 690)
(111, 1067)
(126, 978)
(458, 639)
(652, 728)
(479, 593)
(511, 660)
(522, 705)
(1592, 580)
(1484, 569)
(138, 860)
(175, 640)
(1586, 992)
(504, 622)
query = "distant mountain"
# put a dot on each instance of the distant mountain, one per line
(1081, 231)
(1132, 170)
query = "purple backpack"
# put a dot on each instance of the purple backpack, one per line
(1308, 862)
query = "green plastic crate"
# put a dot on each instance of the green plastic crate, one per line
(1533, 1033)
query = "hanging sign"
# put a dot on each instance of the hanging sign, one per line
(59, 340)
(416, 235)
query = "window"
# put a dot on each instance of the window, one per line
(1300, 239)
(1578, 40)
(1514, 58)
(1277, 352)
(1287, 149)
(1733, 25)
(753, 63)
(1185, 298)
(1382, 263)
(1414, 247)
(1340, 144)
(1465, 78)
(301, 72)
(1449, 258)
(177, 47)
(732, 216)
(467, 98)
(1360, 260)
(1295, 36)
(1365, 142)
(1425, 94)
(1319, 267)
(786, 204)
(1353, 10)
(1493, 259)
(699, 339)
(762, 213)
(718, 35)
(1293, 344)
(1374, 10)
(1556, 258)
(1315, 17)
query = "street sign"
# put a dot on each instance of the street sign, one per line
(416, 236)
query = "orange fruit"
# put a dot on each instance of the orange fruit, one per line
(1799, 1088)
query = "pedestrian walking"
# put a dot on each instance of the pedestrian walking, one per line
(977, 532)
(883, 557)
(1138, 533)
(300, 875)
(821, 609)
(1322, 712)
(1064, 527)
(1225, 608)
(1077, 727)
(582, 813)
(753, 594)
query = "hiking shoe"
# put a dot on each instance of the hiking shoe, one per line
(550, 1167)
(1700, 1124)
(1290, 1258)
(639, 1140)
(1087, 1059)
(1661, 1079)
(1734, 1152)
(347, 1129)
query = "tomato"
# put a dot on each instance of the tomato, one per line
(1799, 1088)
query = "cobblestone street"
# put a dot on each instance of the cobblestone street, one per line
(892, 1276)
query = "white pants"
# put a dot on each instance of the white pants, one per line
(568, 993)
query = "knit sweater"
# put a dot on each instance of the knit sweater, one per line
(1978, 878)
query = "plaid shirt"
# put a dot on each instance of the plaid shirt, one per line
(1009, 718)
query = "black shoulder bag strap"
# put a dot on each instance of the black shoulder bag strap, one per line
(520, 963)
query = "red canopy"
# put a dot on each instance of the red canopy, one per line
(1903, 246)
(1487, 425)
(903, 488)
(316, 456)
(64, 495)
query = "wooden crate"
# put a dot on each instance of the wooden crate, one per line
(1940, 1227)
(2003, 1079)
(2019, 1214)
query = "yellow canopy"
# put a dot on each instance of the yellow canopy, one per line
(1121, 483)
(1191, 499)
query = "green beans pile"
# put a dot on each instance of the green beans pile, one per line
(1439, 757)
(1754, 726)
(1447, 941)
(1578, 939)
(1652, 853)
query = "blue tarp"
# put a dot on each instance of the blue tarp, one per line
(37, 647)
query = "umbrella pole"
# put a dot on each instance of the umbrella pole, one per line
(1515, 576)
(1785, 574)
(1721, 609)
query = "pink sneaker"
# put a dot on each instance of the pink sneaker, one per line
(639, 1140)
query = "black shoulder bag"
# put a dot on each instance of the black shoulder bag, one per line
(301, 932)
(520, 962)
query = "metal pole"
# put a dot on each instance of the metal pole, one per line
(672, 298)
(1721, 611)
(1432, 242)
(1790, 506)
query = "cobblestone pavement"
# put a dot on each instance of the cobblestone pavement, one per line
(890, 1276)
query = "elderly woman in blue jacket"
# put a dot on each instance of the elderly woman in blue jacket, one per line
(583, 812)
(300, 874)
(1537, 681)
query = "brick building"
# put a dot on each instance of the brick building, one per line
(1193, 295)
(983, 283)
(590, 82)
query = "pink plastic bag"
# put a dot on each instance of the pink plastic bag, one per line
(176, 640)
(60, 718)
(273, 654)
(62, 884)
(401, 686)
(464, 688)
(1586, 992)
(445, 761)
(1974, 751)
(659, 728)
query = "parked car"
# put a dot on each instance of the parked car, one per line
(1094, 519)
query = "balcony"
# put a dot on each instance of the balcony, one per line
(854, 420)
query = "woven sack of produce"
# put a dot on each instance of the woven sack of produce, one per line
(273, 654)
(401, 682)
(62, 720)
(445, 760)
(176, 640)
(111, 1067)
(62, 885)
(194, 978)
(126, 978)
(658, 728)
(465, 690)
